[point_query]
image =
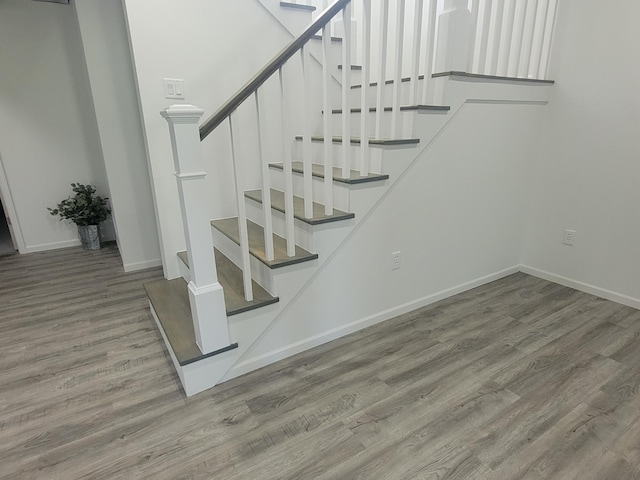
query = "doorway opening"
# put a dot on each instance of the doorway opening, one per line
(7, 245)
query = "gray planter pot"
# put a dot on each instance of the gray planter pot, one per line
(89, 237)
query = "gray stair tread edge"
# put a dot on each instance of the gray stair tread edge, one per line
(372, 141)
(170, 301)
(318, 171)
(230, 277)
(229, 227)
(404, 108)
(298, 6)
(480, 76)
(319, 217)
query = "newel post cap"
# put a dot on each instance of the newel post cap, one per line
(182, 113)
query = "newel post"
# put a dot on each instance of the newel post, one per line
(454, 37)
(205, 293)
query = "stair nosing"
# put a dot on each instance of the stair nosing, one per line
(336, 217)
(403, 108)
(374, 177)
(384, 142)
(275, 264)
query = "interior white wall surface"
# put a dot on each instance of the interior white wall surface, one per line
(108, 58)
(215, 47)
(48, 133)
(589, 160)
(455, 216)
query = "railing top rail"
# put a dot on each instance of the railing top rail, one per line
(273, 66)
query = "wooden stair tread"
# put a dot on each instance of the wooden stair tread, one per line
(298, 6)
(170, 300)
(229, 228)
(317, 170)
(333, 39)
(230, 277)
(351, 67)
(403, 108)
(372, 141)
(319, 216)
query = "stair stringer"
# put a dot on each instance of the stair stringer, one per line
(458, 96)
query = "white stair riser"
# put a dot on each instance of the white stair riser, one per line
(405, 128)
(303, 231)
(340, 190)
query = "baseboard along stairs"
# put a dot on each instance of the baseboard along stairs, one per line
(239, 273)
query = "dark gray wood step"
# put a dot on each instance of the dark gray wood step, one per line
(388, 82)
(229, 228)
(317, 170)
(403, 108)
(353, 67)
(170, 300)
(298, 6)
(319, 216)
(230, 277)
(477, 76)
(384, 142)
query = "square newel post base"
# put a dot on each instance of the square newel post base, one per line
(209, 317)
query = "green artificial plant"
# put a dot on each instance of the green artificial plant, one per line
(83, 208)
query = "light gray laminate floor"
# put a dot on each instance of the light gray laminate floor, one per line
(519, 379)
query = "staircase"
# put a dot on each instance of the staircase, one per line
(340, 154)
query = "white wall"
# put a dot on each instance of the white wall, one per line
(589, 158)
(456, 215)
(48, 133)
(215, 47)
(108, 58)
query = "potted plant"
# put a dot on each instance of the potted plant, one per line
(87, 210)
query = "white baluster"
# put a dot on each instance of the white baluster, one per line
(382, 66)
(527, 38)
(366, 78)
(242, 221)
(495, 29)
(306, 135)
(287, 171)
(417, 42)
(397, 77)
(506, 31)
(516, 38)
(480, 63)
(538, 37)
(429, 48)
(346, 92)
(266, 185)
(548, 37)
(327, 123)
(475, 29)
(206, 296)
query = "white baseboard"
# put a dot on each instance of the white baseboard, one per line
(583, 287)
(51, 246)
(263, 360)
(135, 266)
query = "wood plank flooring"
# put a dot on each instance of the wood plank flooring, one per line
(518, 379)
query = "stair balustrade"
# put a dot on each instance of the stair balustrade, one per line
(493, 37)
